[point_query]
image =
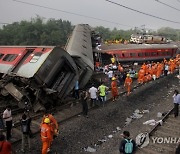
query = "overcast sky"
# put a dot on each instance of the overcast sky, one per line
(12, 10)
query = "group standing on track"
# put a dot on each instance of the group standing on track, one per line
(98, 96)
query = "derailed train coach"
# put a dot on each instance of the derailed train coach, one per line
(40, 76)
(79, 47)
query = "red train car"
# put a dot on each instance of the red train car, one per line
(140, 52)
(36, 75)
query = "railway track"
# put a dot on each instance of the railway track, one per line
(61, 113)
(163, 138)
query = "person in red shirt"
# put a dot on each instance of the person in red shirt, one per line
(5, 146)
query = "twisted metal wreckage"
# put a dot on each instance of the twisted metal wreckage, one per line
(42, 76)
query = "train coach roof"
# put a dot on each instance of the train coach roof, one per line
(25, 64)
(27, 46)
(105, 47)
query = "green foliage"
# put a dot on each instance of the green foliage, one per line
(56, 32)
(107, 34)
(36, 32)
(114, 34)
(170, 33)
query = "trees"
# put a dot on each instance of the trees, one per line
(36, 32)
(56, 32)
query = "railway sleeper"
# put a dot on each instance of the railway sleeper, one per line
(159, 148)
(160, 133)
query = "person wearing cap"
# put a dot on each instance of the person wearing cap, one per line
(53, 124)
(127, 145)
(114, 88)
(46, 135)
(128, 83)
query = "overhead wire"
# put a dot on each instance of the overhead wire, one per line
(168, 5)
(72, 13)
(147, 14)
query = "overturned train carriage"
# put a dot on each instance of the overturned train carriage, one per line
(41, 75)
(79, 47)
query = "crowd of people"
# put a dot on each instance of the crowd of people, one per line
(48, 131)
(121, 76)
(97, 96)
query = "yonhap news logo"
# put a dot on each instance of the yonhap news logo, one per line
(163, 140)
(143, 139)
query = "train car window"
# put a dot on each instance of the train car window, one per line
(168, 53)
(125, 55)
(163, 53)
(10, 57)
(140, 54)
(36, 57)
(132, 54)
(1, 55)
(153, 53)
(147, 54)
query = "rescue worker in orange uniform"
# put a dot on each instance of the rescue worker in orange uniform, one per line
(114, 88)
(159, 70)
(128, 83)
(141, 74)
(172, 66)
(46, 135)
(120, 68)
(53, 124)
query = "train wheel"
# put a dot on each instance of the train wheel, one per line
(4, 92)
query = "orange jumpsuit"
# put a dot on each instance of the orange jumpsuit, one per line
(46, 136)
(172, 66)
(53, 125)
(114, 89)
(159, 70)
(120, 68)
(141, 74)
(127, 84)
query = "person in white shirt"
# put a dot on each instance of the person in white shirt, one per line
(93, 95)
(166, 68)
(7, 116)
(176, 101)
(110, 74)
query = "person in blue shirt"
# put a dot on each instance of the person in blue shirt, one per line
(76, 90)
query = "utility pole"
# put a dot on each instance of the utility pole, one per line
(143, 29)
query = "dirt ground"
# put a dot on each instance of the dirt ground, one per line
(81, 132)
